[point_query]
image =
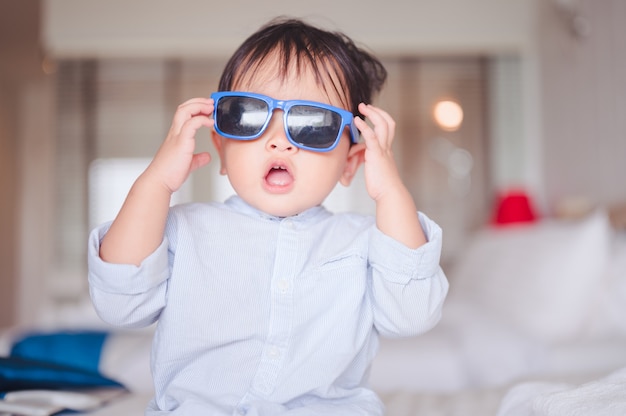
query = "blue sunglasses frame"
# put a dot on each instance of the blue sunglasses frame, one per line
(285, 105)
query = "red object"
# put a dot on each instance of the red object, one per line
(514, 207)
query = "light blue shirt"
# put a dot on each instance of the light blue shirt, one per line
(259, 315)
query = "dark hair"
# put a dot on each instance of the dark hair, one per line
(360, 74)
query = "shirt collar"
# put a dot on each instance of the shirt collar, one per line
(312, 214)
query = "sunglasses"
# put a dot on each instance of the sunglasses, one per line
(308, 125)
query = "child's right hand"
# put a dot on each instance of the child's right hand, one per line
(176, 158)
(139, 226)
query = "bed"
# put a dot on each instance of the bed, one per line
(533, 325)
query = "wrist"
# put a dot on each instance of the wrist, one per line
(149, 184)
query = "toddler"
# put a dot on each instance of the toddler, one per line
(268, 304)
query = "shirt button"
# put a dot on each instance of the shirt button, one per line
(283, 286)
(273, 352)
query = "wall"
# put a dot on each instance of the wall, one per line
(198, 27)
(583, 98)
(20, 66)
(8, 214)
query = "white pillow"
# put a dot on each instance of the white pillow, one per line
(125, 357)
(540, 278)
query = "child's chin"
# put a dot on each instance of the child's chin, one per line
(281, 207)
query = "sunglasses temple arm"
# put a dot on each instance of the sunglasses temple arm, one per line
(355, 134)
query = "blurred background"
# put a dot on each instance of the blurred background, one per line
(490, 97)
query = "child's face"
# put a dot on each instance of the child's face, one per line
(272, 174)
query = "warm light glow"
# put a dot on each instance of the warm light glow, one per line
(448, 115)
(48, 66)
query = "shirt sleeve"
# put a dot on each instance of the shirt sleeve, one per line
(408, 285)
(124, 294)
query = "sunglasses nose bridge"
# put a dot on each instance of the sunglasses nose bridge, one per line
(276, 134)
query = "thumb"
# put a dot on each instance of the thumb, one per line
(199, 160)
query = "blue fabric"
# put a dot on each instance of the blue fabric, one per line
(80, 349)
(55, 360)
(20, 374)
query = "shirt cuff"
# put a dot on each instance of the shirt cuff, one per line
(399, 262)
(127, 279)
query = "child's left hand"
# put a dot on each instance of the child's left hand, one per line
(381, 172)
(396, 214)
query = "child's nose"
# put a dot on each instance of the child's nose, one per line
(276, 134)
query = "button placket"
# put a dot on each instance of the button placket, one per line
(277, 340)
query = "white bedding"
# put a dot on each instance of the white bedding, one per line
(465, 403)
(604, 396)
(534, 325)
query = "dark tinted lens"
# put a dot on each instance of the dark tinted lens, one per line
(241, 116)
(313, 127)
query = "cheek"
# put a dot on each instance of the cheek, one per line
(324, 173)
(233, 155)
(239, 163)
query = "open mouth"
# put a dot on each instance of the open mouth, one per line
(278, 176)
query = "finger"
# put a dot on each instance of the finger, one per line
(199, 160)
(190, 109)
(391, 123)
(383, 124)
(364, 129)
(190, 127)
(374, 132)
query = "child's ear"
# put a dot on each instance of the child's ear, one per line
(217, 142)
(356, 156)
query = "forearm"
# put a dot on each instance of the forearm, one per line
(138, 228)
(396, 216)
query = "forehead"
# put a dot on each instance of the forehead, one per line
(296, 77)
